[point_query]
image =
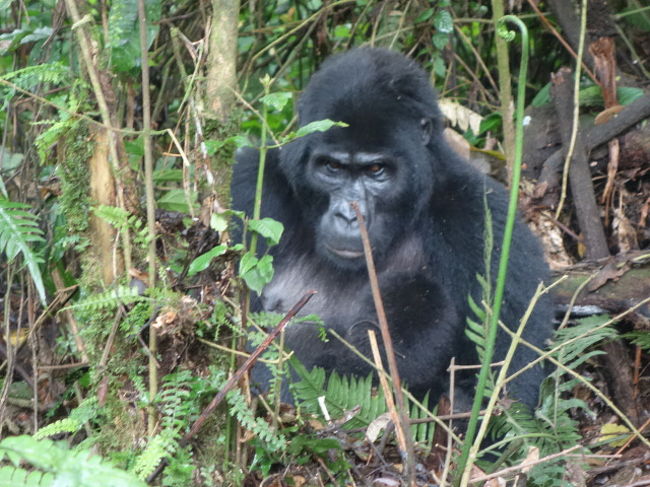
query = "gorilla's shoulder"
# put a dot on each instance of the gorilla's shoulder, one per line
(276, 191)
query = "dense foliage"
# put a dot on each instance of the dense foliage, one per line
(121, 324)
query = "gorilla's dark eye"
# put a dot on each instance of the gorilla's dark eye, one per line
(376, 169)
(331, 164)
(335, 165)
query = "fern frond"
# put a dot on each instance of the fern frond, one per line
(86, 411)
(121, 220)
(423, 432)
(576, 339)
(341, 394)
(46, 73)
(639, 338)
(53, 134)
(55, 465)
(19, 231)
(260, 428)
(18, 477)
(122, 19)
(109, 299)
(160, 446)
(65, 425)
(114, 215)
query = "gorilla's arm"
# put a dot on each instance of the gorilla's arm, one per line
(460, 257)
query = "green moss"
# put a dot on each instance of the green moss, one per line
(75, 177)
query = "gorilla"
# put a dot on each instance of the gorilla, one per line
(425, 210)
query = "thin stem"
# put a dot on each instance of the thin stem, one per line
(402, 426)
(505, 90)
(576, 110)
(151, 209)
(464, 463)
(257, 207)
(84, 45)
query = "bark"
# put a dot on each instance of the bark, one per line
(102, 192)
(222, 59)
(565, 14)
(595, 136)
(582, 188)
(616, 287)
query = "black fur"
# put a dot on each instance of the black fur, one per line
(424, 207)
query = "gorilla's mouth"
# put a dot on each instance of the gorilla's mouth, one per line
(345, 253)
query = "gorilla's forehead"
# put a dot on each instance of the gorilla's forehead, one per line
(355, 142)
(368, 133)
(361, 107)
(355, 156)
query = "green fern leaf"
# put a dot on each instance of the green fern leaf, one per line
(476, 309)
(341, 394)
(639, 338)
(159, 447)
(65, 425)
(18, 232)
(17, 477)
(55, 465)
(109, 299)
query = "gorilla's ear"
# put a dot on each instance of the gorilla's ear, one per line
(426, 126)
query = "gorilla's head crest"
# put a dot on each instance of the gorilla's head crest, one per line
(369, 82)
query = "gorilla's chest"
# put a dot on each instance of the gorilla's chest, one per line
(339, 297)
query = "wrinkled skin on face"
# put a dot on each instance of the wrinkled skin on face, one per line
(382, 165)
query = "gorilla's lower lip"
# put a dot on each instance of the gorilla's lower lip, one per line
(346, 254)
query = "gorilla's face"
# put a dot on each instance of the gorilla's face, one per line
(381, 179)
(384, 160)
(363, 177)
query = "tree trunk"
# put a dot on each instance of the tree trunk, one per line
(222, 59)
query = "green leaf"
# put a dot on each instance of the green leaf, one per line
(248, 261)
(265, 268)
(40, 33)
(443, 22)
(628, 94)
(218, 222)
(168, 175)
(318, 126)
(254, 280)
(277, 101)
(213, 146)
(65, 425)
(543, 96)
(203, 261)
(478, 310)
(593, 95)
(39, 453)
(440, 40)
(237, 214)
(424, 16)
(17, 477)
(638, 17)
(19, 231)
(174, 200)
(124, 33)
(268, 228)
(342, 31)
(439, 67)
(257, 273)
